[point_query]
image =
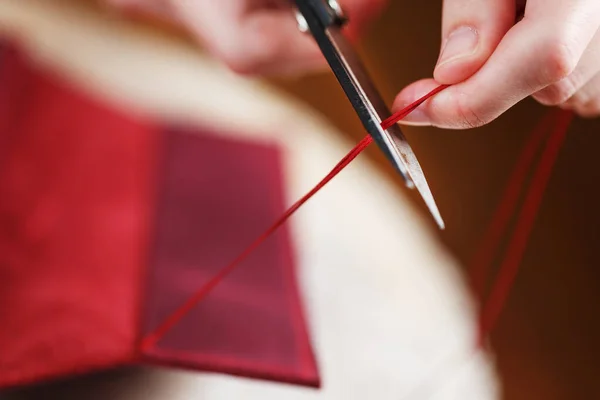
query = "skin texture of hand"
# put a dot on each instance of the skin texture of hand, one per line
(492, 61)
(254, 37)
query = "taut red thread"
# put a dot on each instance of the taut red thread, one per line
(398, 115)
(153, 337)
(518, 243)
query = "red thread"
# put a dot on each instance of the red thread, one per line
(398, 115)
(170, 321)
(518, 243)
(483, 257)
(153, 337)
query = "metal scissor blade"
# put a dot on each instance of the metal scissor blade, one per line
(391, 141)
(364, 97)
(416, 174)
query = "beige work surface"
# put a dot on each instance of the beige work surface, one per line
(390, 318)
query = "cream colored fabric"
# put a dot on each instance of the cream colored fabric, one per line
(388, 317)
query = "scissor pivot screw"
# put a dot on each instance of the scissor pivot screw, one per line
(301, 21)
(337, 9)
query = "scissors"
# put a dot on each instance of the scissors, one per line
(325, 19)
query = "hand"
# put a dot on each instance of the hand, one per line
(255, 36)
(552, 54)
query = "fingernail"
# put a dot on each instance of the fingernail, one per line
(460, 43)
(416, 117)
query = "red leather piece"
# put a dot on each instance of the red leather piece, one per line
(76, 184)
(107, 222)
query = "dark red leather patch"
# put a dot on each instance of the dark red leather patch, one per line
(217, 196)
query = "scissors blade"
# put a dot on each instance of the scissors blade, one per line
(416, 173)
(365, 98)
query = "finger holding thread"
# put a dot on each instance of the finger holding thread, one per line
(542, 49)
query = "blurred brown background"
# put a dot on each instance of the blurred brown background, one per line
(548, 339)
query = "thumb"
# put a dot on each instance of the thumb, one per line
(471, 31)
